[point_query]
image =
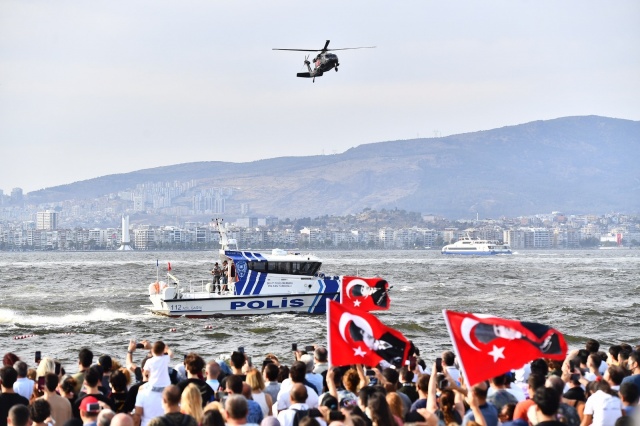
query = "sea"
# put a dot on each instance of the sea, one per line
(60, 302)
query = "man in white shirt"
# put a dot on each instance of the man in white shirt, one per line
(23, 386)
(148, 403)
(297, 398)
(297, 374)
(602, 409)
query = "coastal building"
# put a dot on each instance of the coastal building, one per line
(47, 220)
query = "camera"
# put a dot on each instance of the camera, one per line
(439, 365)
(443, 383)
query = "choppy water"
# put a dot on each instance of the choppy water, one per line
(72, 300)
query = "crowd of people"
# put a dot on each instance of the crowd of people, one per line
(590, 387)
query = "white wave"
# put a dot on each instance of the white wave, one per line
(8, 316)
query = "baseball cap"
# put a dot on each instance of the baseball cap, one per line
(84, 404)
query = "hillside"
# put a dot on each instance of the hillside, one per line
(571, 164)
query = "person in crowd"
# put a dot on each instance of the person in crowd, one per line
(633, 365)
(89, 409)
(391, 383)
(254, 379)
(67, 388)
(602, 408)
(314, 378)
(212, 418)
(448, 363)
(8, 397)
(297, 374)
(91, 384)
(565, 412)
(378, 411)
(408, 386)
(59, 405)
(158, 365)
(23, 385)
(118, 383)
(194, 365)
(396, 407)
(422, 385)
(9, 359)
(236, 386)
(213, 373)
(18, 415)
(107, 366)
(191, 402)
(85, 359)
(488, 410)
(546, 407)
(105, 417)
(629, 394)
(236, 411)
(297, 405)
(40, 412)
(320, 357)
(171, 398)
(122, 419)
(270, 375)
(498, 394)
(148, 402)
(535, 381)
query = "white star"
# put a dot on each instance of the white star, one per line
(356, 303)
(358, 352)
(497, 353)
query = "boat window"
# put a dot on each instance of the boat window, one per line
(289, 268)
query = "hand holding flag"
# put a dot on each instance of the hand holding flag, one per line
(489, 346)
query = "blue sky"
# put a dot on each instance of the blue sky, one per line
(91, 88)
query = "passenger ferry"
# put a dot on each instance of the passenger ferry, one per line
(276, 282)
(470, 246)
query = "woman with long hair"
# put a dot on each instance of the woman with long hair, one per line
(191, 402)
(448, 412)
(378, 410)
(255, 380)
(395, 404)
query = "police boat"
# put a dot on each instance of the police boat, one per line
(262, 283)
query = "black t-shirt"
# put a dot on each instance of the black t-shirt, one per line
(8, 400)
(205, 390)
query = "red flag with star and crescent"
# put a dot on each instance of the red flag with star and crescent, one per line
(489, 346)
(365, 294)
(356, 337)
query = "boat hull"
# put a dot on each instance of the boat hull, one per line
(214, 306)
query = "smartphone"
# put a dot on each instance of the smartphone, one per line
(221, 396)
(294, 347)
(41, 383)
(309, 349)
(139, 345)
(38, 357)
(93, 407)
(58, 366)
(412, 363)
(572, 366)
(241, 349)
(574, 377)
(438, 365)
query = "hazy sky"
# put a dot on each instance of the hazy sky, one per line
(90, 88)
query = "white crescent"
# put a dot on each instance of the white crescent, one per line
(357, 281)
(346, 318)
(465, 328)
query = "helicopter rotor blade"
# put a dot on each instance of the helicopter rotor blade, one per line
(352, 48)
(324, 49)
(300, 50)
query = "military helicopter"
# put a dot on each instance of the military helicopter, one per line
(323, 62)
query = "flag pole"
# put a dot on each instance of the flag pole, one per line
(157, 271)
(457, 352)
(328, 333)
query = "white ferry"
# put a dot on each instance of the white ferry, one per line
(470, 246)
(276, 282)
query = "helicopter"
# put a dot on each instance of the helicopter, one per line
(323, 62)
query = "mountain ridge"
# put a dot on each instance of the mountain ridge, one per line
(575, 164)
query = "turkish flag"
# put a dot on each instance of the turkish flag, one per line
(356, 337)
(489, 346)
(365, 294)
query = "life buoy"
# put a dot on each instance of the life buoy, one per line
(157, 287)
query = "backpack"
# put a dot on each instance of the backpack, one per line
(301, 414)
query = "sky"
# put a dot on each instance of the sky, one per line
(93, 88)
